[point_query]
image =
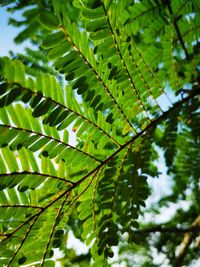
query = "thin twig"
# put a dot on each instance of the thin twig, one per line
(36, 173)
(177, 30)
(51, 139)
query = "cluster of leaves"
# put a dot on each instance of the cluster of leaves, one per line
(123, 77)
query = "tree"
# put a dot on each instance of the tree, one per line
(123, 77)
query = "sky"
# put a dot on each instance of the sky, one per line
(8, 33)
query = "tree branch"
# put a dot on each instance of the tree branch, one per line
(177, 30)
(154, 123)
(172, 229)
(187, 240)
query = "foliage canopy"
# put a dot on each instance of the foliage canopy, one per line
(122, 77)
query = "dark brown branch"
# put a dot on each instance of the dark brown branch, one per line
(172, 230)
(53, 228)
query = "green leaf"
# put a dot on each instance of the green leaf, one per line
(58, 51)
(92, 14)
(67, 122)
(22, 260)
(10, 159)
(53, 40)
(41, 108)
(49, 263)
(100, 35)
(3, 88)
(48, 20)
(10, 97)
(79, 82)
(39, 144)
